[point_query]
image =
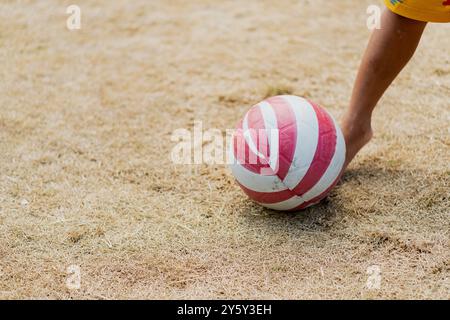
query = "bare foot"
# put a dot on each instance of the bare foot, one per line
(356, 137)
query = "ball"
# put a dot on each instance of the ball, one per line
(287, 153)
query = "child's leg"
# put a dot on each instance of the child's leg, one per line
(389, 50)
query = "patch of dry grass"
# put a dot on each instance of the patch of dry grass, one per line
(273, 91)
(86, 177)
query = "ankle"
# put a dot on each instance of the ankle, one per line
(357, 126)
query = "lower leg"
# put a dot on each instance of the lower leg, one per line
(389, 50)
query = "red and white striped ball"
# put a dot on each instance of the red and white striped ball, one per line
(287, 153)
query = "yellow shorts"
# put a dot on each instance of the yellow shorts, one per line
(423, 10)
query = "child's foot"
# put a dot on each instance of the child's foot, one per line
(356, 136)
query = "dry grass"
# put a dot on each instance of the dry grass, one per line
(86, 178)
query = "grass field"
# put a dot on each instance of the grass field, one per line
(86, 118)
